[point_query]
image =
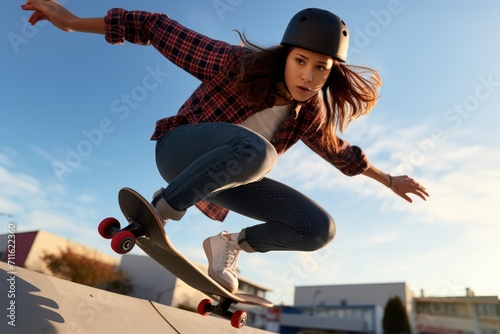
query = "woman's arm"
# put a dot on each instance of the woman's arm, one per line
(197, 54)
(62, 18)
(351, 160)
(401, 185)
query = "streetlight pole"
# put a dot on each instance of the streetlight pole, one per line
(315, 295)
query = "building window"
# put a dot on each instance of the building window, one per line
(438, 308)
(487, 310)
(488, 331)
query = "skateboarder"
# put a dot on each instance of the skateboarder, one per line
(252, 105)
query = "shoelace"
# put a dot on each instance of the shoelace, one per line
(232, 255)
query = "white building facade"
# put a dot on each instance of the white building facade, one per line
(356, 308)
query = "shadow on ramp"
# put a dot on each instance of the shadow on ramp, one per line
(24, 306)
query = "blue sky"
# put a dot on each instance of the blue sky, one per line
(77, 114)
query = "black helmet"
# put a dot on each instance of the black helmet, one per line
(320, 31)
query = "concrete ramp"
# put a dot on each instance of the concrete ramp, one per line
(35, 303)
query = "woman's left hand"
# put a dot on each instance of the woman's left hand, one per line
(403, 185)
(49, 10)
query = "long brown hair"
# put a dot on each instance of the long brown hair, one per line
(349, 92)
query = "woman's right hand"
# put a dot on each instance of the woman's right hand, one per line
(51, 11)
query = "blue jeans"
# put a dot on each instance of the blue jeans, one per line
(226, 164)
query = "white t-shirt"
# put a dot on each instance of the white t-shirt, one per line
(266, 122)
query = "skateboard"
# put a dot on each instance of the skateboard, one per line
(145, 228)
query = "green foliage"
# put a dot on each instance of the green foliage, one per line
(187, 308)
(120, 284)
(88, 271)
(395, 319)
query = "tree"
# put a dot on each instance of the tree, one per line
(395, 319)
(88, 271)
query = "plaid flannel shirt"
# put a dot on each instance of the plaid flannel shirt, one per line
(213, 101)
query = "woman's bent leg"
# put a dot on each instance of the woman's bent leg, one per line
(292, 220)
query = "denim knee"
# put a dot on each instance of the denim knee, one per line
(321, 233)
(256, 153)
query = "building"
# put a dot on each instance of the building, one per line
(352, 308)
(467, 314)
(359, 308)
(151, 281)
(31, 246)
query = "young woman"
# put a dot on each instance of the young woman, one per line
(252, 105)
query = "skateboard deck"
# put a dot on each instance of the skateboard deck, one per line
(145, 228)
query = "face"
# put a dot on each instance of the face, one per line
(306, 72)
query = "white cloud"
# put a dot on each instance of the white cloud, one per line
(9, 206)
(59, 162)
(6, 157)
(17, 184)
(40, 204)
(462, 180)
(463, 183)
(377, 239)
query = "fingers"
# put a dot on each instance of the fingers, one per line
(36, 17)
(407, 185)
(418, 190)
(421, 190)
(420, 194)
(407, 198)
(30, 5)
(27, 7)
(36, 5)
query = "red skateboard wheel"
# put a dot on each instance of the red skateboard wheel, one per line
(239, 319)
(123, 242)
(204, 307)
(106, 227)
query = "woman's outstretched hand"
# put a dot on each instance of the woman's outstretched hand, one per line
(403, 185)
(51, 11)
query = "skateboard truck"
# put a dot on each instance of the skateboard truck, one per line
(122, 240)
(238, 319)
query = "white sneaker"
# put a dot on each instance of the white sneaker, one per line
(222, 255)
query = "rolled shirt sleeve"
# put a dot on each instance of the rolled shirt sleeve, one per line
(349, 159)
(197, 54)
